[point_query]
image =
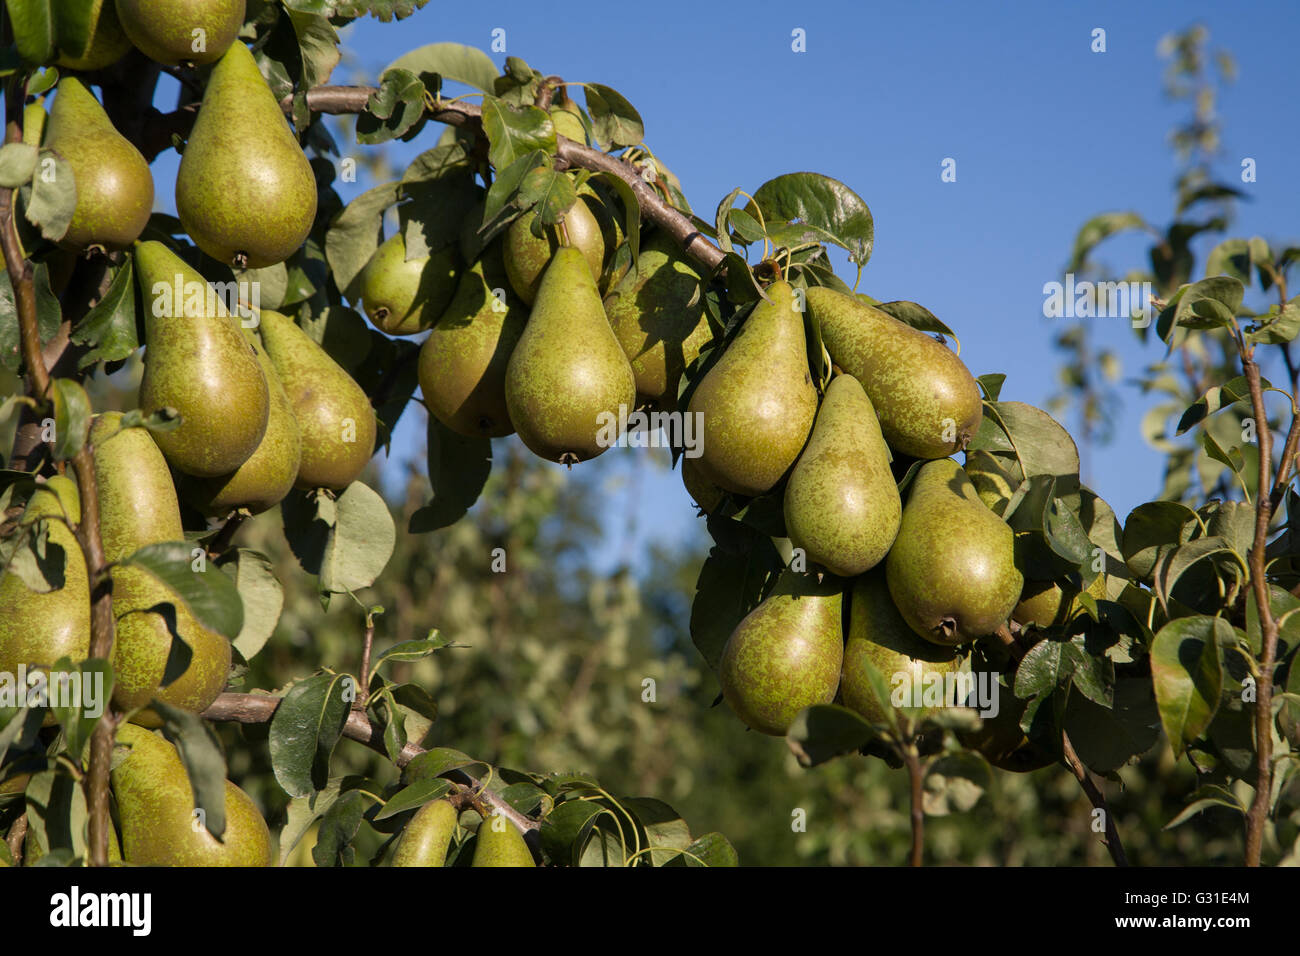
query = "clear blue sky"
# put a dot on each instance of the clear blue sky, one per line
(1045, 134)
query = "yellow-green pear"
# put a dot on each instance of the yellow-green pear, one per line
(198, 361)
(160, 826)
(42, 627)
(527, 257)
(404, 296)
(335, 419)
(181, 31)
(244, 190)
(500, 844)
(702, 491)
(463, 362)
(841, 503)
(1048, 604)
(568, 379)
(90, 36)
(928, 403)
(427, 835)
(114, 185)
(786, 654)
(758, 400)
(952, 571)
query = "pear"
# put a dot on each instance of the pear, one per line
(926, 399)
(427, 835)
(41, 627)
(262, 481)
(786, 654)
(156, 805)
(568, 378)
(879, 636)
(138, 507)
(952, 571)
(702, 491)
(658, 316)
(500, 844)
(758, 400)
(114, 185)
(173, 32)
(89, 33)
(463, 362)
(244, 190)
(198, 362)
(527, 257)
(405, 296)
(1048, 604)
(335, 418)
(841, 503)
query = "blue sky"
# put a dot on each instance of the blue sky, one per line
(1045, 134)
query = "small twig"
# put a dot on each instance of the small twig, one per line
(364, 697)
(915, 776)
(16, 834)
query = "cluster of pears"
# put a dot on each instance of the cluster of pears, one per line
(921, 578)
(428, 834)
(547, 331)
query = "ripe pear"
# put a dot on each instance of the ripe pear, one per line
(244, 190)
(198, 361)
(500, 844)
(463, 362)
(841, 503)
(878, 635)
(138, 507)
(335, 418)
(114, 185)
(786, 654)
(658, 316)
(758, 400)
(927, 401)
(405, 296)
(1048, 604)
(156, 805)
(568, 377)
(427, 835)
(41, 627)
(704, 492)
(89, 32)
(527, 257)
(952, 571)
(262, 481)
(173, 32)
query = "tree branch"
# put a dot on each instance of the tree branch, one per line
(260, 708)
(915, 778)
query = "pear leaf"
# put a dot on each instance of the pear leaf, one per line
(307, 724)
(1187, 673)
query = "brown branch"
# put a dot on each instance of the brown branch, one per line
(915, 777)
(15, 840)
(260, 708)
(367, 646)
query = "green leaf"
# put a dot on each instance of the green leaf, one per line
(515, 132)
(413, 797)
(1210, 303)
(823, 731)
(354, 235)
(436, 762)
(17, 163)
(1151, 530)
(109, 328)
(408, 651)
(730, 585)
(1188, 675)
(955, 783)
(565, 830)
(550, 191)
(458, 468)
(664, 827)
(712, 849)
(204, 763)
(71, 417)
(1106, 738)
(208, 594)
(338, 828)
(451, 61)
(306, 726)
(56, 812)
(991, 386)
(1044, 667)
(829, 209)
(303, 812)
(1277, 327)
(346, 541)
(614, 120)
(53, 197)
(262, 595)
(1175, 563)
(393, 109)
(32, 22)
(1095, 230)
(501, 205)
(919, 318)
(96, 689)
(1216, 399)
(1210, 795)
(1027, 441)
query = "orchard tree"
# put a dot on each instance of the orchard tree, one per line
(866, 594)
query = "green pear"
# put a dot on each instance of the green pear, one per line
(527, 257)
(879, 637)
(405, 296)
(758, 400)
(41, 627)
(786, 654)
(138, 507)
(1048, 604)
(463, 362)
(262, 481)
(198, 361)
(500, 844)
(952, 571)
(160, 826)
(702, 491)
(114, 185)
(427, 835)
(658, 315)
(568, 378)
(335, 418)
(841, 503)
(244, 190)
(173, 32)
(927, 401)
(89, 33)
